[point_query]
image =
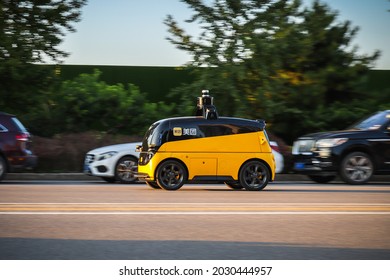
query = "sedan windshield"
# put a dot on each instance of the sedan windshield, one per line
(373, 122)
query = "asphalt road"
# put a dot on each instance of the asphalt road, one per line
(288, 220)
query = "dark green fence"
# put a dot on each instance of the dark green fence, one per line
(156, 81)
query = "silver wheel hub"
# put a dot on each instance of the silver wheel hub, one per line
(126, 169)
(359, 168)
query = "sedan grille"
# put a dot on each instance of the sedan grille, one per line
(89, 159)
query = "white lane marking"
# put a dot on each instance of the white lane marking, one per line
(196, 213)
(196, 203)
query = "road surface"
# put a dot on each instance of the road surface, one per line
(288, 220)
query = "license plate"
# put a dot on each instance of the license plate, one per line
(86, 169)
(299, 165)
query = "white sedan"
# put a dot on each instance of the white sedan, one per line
(279, 159)
(113, 163)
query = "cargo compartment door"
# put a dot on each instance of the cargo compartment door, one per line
(203, 168)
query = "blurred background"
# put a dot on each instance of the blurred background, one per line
(84, 74)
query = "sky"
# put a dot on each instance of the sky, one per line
(132, 32)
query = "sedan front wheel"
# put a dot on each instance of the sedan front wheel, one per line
(356, 168)
(125, 170)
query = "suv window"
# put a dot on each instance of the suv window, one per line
(19, 125)
(3, 128)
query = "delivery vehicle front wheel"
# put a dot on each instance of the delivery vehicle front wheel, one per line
(171, 175)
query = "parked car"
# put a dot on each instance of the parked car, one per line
(355, 154)
(113, 163)
(15, 146)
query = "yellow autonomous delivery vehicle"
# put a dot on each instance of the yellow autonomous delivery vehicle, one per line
(206, 147)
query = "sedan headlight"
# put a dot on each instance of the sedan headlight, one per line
(106, 155)
(330, 142)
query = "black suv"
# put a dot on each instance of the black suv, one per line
(15, 142)
(355, 154)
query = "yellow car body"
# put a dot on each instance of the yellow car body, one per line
(210, 150)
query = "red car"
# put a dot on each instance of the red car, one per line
(15, 142)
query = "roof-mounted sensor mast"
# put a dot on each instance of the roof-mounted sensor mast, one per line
(205, 106)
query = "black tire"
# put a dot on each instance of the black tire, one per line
(171, 175)
(109, 179)
(322, 179)
(125, 169)
(356, 168)
(254, 175)
(3, 168)
(152, 185)
(235, 185)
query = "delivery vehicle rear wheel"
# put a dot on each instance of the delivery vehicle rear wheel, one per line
(254, 175)
(171, 175)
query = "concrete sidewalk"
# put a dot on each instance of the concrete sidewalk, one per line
(83, 177)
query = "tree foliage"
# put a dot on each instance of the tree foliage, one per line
(31, 28)
(274, 59)
(30, 32)
(87, 103)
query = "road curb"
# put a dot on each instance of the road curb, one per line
(50, 177)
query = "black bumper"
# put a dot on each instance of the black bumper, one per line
(22, 162)
(312, 165)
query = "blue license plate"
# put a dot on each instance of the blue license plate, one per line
(299, 165)
(86, 169)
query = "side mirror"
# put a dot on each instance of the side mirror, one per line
(138, 148)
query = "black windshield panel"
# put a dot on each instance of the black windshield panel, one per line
(373, 122)
(155, 136)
